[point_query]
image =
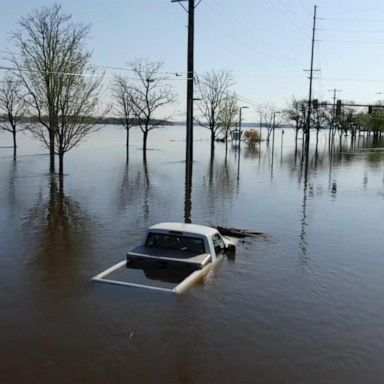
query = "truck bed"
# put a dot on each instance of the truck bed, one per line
(166, 258)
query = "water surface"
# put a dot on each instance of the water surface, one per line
(302, 304)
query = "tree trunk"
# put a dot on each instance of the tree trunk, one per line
(14, 143)
(145, 136)
(51, 151)
(61, 163)
(127, 144)
(212, 141)
(61, 188)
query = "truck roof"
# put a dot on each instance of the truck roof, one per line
(186, 228)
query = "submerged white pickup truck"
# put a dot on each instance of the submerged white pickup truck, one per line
(178, 245)
(172, 257)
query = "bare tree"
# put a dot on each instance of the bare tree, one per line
(269, 118)
(321, 118)
(148, 95)
(296, 113)
(212, 89)
(124, 108)
(13, 105)
(228, 116)
(77, 105)
(51, 64)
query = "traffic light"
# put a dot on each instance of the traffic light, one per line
(315, 103)
(338, 107)
(370, 109)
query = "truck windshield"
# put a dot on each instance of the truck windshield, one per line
(177, 242)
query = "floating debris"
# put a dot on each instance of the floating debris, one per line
(239, 233)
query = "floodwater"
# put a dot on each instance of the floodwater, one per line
(303, 304)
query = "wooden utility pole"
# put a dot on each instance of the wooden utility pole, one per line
(190, 78)
(190, 82)
(311, 78)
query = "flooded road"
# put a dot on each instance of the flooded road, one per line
(304, 304)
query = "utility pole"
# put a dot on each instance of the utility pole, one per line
(190, 78)
(311, 77)
(189, 133)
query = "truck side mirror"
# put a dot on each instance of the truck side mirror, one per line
(230, 248)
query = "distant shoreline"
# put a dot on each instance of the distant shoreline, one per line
(116, 121)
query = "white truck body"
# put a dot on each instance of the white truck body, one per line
(173, 247)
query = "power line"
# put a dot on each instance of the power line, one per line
(351, 30)
(248, 101)
(13, 69)
(246, 31)
(352, 79)
(351, 42)
(286, 11)
(119, 68)
(353, 20)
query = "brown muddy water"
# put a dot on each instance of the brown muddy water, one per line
(304, 304)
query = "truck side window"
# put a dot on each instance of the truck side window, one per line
(218, 243)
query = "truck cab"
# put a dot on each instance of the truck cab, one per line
(179, 245)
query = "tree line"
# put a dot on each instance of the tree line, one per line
(339, 119)
(53, 89)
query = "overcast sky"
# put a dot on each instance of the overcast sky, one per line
(266, 44)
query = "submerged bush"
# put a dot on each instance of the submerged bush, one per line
(252, 136)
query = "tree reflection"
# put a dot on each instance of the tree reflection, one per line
(135, 186)
(61, 230)
(12, 185)
(252, 151)
(220, 182)
(333, 155)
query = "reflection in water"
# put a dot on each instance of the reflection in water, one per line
(236, 150)
(332, 156)
(188, 193)
(61, 230)
(221, 182)
(147, 187)
(333, 188)
(165, 275)
(303, 241)
(273, 153)
(12, 185)
(135, 186)
(251, 151)
(281, 146)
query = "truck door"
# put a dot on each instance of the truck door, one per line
(218, 244)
